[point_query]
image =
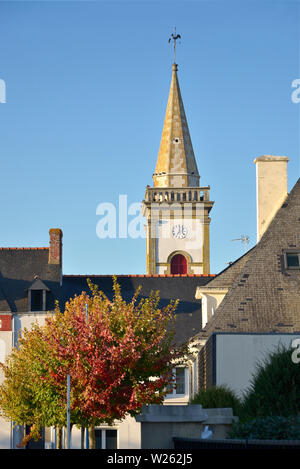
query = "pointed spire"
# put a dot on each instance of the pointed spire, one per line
(176, 164)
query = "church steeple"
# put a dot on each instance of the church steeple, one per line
(176, 208)
(176, 164)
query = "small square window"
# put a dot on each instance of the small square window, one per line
(292, 260)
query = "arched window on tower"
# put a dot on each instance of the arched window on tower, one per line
(178, 264)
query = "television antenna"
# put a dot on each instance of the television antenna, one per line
(244, 239)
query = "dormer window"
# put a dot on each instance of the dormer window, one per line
(37, 296)
(292, 259)
(37, 303)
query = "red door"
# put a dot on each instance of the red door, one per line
(178, 264)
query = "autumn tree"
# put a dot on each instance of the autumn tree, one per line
(26, 397)
(119, 356)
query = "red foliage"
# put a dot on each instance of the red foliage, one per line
(119, 358)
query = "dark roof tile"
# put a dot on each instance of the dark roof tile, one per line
(182, 287)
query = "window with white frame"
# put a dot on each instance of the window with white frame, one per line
(106, 438)
(178, 387)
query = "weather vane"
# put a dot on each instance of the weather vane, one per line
(174, 37)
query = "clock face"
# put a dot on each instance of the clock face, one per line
(179, 231)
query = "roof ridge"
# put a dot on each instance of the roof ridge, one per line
(139, 275)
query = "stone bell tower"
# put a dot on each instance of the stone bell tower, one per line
(176, 208)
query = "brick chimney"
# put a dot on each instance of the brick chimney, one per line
(271, 189)
(55, 246)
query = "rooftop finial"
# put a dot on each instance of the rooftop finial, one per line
(174, 37)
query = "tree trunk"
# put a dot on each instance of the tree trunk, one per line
(92, 438)
(82, 436)
(58, 437)
(66, 438)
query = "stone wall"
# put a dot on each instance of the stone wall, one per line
(161, 423)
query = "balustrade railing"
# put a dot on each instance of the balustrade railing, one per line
(170, 195)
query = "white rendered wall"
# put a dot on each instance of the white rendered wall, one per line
(192, 243)
(210, 300)
(19, 322)
(129, 434)
(22, 320)
(5, 427)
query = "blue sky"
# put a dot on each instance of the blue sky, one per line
(87, 85)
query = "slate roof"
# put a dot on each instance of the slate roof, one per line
(264, 296)
(226, 277)
(18, 268)
(4, 306)
(27, 268)
(182, 287)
